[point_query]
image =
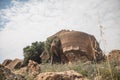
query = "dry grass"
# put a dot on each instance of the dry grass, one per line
(88, 69)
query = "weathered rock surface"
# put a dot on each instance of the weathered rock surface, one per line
(79, 46)
(114, 55)
(6, 62)
(15, 64)
(66, 75)
(6, 74)
(32, 70)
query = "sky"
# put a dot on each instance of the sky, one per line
(25, 21)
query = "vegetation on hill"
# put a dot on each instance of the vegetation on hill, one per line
(33, 52)
(105, 70)
(70, 40)
(49, 41)
(47, 45)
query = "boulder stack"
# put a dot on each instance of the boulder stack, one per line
(32, 70)
(6, 62)
(6, 74)
(15, 64)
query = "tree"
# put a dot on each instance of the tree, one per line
(48, 43)
(33, 52)
(57, 42)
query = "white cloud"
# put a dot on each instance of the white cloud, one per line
(35, 20)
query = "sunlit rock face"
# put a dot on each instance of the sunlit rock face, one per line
(114, 55)
(15, 64)
(6, 62)
(79, 46)
(7, 74)
(65, 75)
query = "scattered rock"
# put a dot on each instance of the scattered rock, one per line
(33, 68)
(66, 75)
(114, 55)
(22, 71)
(6, 62)
(6, 74)
(15, 64)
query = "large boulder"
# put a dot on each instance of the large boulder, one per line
(6, 62)
(31, 70)
(6, 74)
(79, 46)
(66, 75)
(114, 55)
(15, 64)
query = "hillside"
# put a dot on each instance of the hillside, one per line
(73, 55)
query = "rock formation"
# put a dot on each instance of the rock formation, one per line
(6, 62)
(15, 64)
(6, 74)
(114, 55)
(32, 70)
(79, 46)
(66, 75)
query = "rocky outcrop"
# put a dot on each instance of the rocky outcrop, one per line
(114, 55)
(66, 75)
(6, 74)
(32, 70)
(6, 62)
(15, 64)
(79, 46)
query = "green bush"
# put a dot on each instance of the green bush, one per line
(48, 44)
(33, 52)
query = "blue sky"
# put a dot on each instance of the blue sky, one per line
(25, 21)
(4, 4)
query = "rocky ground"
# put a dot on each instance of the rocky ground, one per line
(105, 70)
(7, 74)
